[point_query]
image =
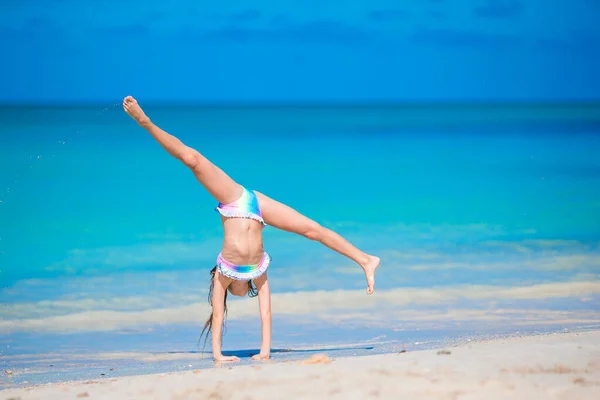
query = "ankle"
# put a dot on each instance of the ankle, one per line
(364, 260)
(145, 122)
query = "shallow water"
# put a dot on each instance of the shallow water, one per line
(106, 242)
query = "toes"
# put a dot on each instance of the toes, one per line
(128, 103)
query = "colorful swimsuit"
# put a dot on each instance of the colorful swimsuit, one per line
(243, 272)
(245, 207)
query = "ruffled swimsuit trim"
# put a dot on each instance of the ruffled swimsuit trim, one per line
(245, 207)
(243, 272)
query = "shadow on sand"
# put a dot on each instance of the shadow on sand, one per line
(251, 352)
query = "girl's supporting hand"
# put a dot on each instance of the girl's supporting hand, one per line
(222, 358)
(261, 356)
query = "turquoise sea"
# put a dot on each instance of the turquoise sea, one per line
(486, 218)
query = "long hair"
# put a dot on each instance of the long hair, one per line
(252, 292)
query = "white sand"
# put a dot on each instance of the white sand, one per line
(560, 366)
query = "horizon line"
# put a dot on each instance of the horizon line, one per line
(310, 104)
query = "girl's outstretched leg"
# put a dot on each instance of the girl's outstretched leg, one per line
(286, 218)
(217, 183)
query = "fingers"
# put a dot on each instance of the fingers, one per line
(227, 359)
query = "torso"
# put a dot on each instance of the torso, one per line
(242, 240)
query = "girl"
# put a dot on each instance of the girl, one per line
(244, 213)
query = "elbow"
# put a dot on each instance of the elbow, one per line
(265, 315)
(218, 318)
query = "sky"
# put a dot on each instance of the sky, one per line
(184, 51)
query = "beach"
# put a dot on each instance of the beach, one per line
(487, 231)
(550, 366)
(457, 142)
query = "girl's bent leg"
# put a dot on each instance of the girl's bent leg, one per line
(286, 218)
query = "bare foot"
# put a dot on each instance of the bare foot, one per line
(131, 107)
(369, 269)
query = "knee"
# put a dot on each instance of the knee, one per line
(189, 158)
(314, 231)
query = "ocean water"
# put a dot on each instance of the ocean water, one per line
(486, 218)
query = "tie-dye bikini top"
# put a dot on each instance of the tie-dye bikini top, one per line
(245, 207)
